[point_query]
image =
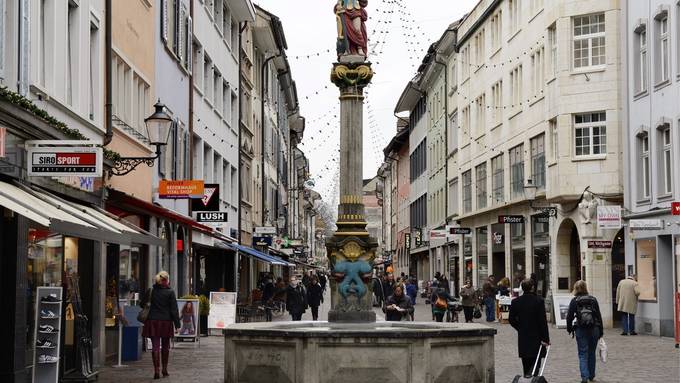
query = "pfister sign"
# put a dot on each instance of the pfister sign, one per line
(66, 161)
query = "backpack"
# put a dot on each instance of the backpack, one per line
(585, 312)
(441, 303)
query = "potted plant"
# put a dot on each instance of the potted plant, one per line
(203, 312)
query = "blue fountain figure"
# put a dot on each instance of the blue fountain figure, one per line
(352, 282)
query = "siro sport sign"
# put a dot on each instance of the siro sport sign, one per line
(65, 161)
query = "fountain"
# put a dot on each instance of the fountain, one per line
(352, 347)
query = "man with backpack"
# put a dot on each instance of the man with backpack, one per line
(585, 321)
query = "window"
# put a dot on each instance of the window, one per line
(480, 178)
(234, 110)
(589, 41)
(515, 15)
(666, 160)
(454, 75)
(465, 64)
(217, 90)
(497, 182)
(418, 210)
(418, 160)
(207, 77)
(643, 149)
(418, 112)
(516, 87)
(517, 171)
(93, 70)
(45, 7)
(497, 102)
(641, 68)
(496, 30)
(234, 186)
(590, 134)
(72, 54)
(467, 191)
(234, 36)
(452, 135)
(480, 114)
(663, 63)
(538, 70)
(645, 265)
(538, 161)
(555, 147)
(226, 106)
(465, 123)
(140, 106)
(552, 41)
(453, 197)
(479, 48)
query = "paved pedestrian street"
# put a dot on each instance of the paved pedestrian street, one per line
(643, 359)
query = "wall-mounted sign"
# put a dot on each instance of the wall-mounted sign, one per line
(599, 244)
(262, 241)
(407, 240)
(418, 234)
(609, 217)
(497, 238)
(645, 224)
(437, 234)
(3, 135)
(210, 200)
(265, 230)
(675, 207)
(212, 216)
(64, 161)
(460, 231)
(168, 189)
(510, 219)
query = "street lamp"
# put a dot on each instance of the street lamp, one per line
(530, 195)
(158, 131)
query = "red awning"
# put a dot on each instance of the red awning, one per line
(121, 201)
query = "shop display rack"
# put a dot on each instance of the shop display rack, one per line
(47, 334)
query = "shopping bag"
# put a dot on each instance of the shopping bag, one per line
(602, 350)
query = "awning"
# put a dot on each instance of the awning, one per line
(260, 256)
(70, 218)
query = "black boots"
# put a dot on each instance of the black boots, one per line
(156, 357)
(164, 358)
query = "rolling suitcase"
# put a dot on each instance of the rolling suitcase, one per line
(539, 378)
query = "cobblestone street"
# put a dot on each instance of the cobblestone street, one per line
(631, 359)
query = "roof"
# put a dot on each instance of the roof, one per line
(397, 141)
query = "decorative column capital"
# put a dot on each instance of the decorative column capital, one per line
(351, 74)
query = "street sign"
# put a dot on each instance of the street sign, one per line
(460, 231)
(169, 189)
(265, 230)
(212, 216)
(262, 241)
(609, 217)
(675, 207)
(599, 244)
(85, 161)
(210, 200)
(510, 219)
(646, 224)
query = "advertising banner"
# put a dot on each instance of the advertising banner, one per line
(64, 161)
(609, 217)
(675, 206)
(212, 216)
(168, 189)
(646, 224)
(188, 318)
(222, 309)
(210, 200)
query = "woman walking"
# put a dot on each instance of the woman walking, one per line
(585, 321)
(315, 297)
(440, 301)
(467, 293)
(163, 315)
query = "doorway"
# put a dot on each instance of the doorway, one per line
(181, 263)
(618, 270)
(568, 253)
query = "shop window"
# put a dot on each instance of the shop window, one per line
(645, 258)
(482, 254)
(541, 253)
(129, 273)
(518, 272)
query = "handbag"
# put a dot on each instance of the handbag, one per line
(144, 314)
(440, 303)
(602, 349)
(477, 313)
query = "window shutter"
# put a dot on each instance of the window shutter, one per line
(179, 12)
(190, 45)
(187, 155)
(175, 148)
(164, 20)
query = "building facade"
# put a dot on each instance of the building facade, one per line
(650, 39)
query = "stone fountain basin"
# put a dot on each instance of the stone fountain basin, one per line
(323, 352)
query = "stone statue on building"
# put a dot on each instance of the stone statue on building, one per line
(351, 17)
(588, 207)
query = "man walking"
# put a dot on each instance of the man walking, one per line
(296, 299)
(527, 316)
(627, 293)
(489, 291)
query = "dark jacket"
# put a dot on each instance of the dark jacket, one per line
(268, 291)
(296, 299)
(571, 315)
(314, 295)
(504, 291)
(527, 316)
(388, 288)
(163, 304)
(440, 293)
(467, 295)
(403, 302)
(489, 289)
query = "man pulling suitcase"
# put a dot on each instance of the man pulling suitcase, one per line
(527, 316)
(536, 373)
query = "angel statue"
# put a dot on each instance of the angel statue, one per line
(352, 37)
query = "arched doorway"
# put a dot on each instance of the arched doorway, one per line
(618, 269)
(568, 251)
(181, 262)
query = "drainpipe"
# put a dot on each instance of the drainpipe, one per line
(240, 118)
(109, 74)
(190, 232)
(262, 141)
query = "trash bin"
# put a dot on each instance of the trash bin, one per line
(132, 335)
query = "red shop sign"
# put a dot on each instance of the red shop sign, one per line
(675, 208)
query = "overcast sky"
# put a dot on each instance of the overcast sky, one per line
(400, 33)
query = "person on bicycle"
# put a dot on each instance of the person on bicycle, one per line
(440, 301)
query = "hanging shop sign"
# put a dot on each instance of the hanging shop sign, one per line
(437, 234)
(210, 200)
(646, 224)
(460, 231)
(510, 219)
(265, 230)
(599, 244)
(262, 241)
(84, 161)
(418, 237)
(609, 217)
(407, 240)
(169, 189)
(675, 207)
(3, 135)
(212, 216)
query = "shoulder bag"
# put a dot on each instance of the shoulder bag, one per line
(144, 314)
